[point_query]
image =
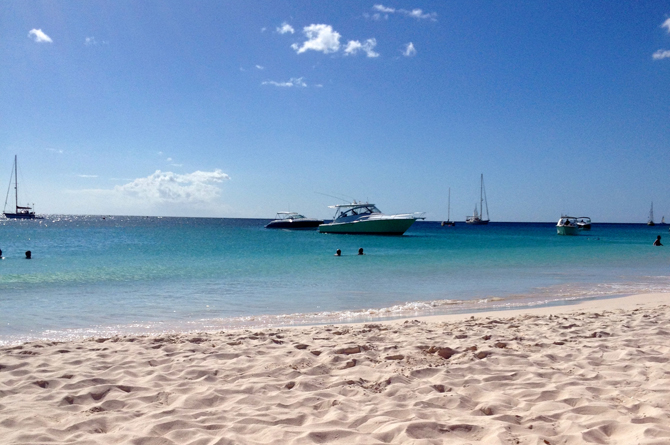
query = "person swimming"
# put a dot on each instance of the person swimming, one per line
(360, 251)
(29, 254)
(658, 241)
(338, 252)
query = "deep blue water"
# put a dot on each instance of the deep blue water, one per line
(95, 276)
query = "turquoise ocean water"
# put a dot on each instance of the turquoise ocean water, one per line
(91, 276)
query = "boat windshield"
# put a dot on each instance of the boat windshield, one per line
(287, 215)
(358, 210)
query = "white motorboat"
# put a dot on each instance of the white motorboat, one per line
(584, 223)
(293, 221)
(567, 225)
(477, 218)
(365, 218)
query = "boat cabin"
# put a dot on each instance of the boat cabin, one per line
(288, 215)
(355, 210)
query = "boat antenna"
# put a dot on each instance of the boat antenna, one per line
(336, 197)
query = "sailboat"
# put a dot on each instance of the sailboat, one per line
(650, 222)
(449, 222)
(20, 212)
(477, 218)
(663, 220)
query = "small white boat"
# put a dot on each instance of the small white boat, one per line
(567, 225)
(477, 218)
(293, 221)
(365, 218)
(584, 223)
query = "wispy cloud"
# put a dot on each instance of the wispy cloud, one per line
(88, 176)
(90, 41)
(409, 50)
(168, 187)
(320, 38)
(38, 36)
(260, 67)
(285, 28)
(382, 11)
(354, 46)
(55, 150)
(663, 53)
(293, 82)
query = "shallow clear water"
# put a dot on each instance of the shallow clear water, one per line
(95, 276)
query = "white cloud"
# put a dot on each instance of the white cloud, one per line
(168, 187)
(354, 46)
(661, 54)
(38, 36)
(294, 82)
(419, 14)
(409, 50)
(666, 24)
(88, 176)
(320, 38)
(414, 13)
(382, 8)
(90, 41)
(260, 67)
(285, 28)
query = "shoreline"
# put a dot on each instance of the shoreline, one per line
(592, 372)
(430, 310)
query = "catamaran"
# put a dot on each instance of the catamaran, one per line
(20, 212)
(477, 217)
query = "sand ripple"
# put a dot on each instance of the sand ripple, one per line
(600, 377)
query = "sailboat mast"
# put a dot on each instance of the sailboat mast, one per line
(481, 196)
(16, 187)
(449, 206)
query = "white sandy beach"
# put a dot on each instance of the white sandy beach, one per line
(597, 372)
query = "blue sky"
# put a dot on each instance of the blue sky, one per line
(246, 108)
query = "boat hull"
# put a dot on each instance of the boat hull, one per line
(297, 224)
(369, 227)
(21, 216)
(567, 230)
(477, 222)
